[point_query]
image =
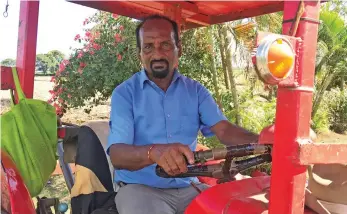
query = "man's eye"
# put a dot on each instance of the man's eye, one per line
(166, 45)
(147, 47)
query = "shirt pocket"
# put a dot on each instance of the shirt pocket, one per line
(190, 125)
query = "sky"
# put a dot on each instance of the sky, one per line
(59, 22)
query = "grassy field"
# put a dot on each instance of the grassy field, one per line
(56, 187)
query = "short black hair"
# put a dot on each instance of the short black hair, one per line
(156, 16)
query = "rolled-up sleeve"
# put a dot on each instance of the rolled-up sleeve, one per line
(209, 111)
(121, 122)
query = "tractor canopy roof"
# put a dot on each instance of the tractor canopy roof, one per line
(195, 13)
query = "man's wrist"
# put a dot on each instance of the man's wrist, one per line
(149, 152)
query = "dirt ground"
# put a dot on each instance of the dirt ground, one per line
(56, 186)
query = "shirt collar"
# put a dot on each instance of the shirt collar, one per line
(144, 77)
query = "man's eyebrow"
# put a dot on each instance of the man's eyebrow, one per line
(150, 42)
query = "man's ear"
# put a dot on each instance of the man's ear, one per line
(138, 51)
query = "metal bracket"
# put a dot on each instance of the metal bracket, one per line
(303, 19)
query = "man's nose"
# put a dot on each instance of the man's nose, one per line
(157, 52)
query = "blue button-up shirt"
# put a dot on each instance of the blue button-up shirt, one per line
(143, 114)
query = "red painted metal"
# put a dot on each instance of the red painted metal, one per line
(312, 153)
(294, 105)
(249, 196)
(26, 47)
(257, 8)
(19, 195)
(195, 14)
(5, 193)
(6, 78)
(224, 198)
(61, 133)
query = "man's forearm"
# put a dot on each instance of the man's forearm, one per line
(129, 157)
(234, 135)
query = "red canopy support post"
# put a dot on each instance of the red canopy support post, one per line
(26, 47)
(294, 106)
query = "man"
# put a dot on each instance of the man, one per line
(155, 119)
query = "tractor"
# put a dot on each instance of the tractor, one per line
(293, 51)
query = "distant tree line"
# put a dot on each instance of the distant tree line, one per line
(47, 63)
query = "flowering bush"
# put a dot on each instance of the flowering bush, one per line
(106, 58)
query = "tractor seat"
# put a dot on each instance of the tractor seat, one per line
(100, 128)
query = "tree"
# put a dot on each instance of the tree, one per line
(49, 62)
(55, 57)
(8, 62)
(42, 62)
(107, 58)
(331, 53)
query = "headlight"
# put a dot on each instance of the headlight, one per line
(275, 59)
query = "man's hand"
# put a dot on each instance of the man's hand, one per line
(171, 157)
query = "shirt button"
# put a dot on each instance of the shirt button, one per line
(170, 136)
(168, 115)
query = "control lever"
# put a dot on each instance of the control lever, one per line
(218, 170)
(231, 152)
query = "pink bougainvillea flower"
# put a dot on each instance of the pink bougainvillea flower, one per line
(85, 22)
(77, 37)
(91, 52)
(80, 54)
(117, 37)
(97, 34)
(121, 28)
(58, 109)
(58, 90)
(69, 95)
(66, 62)
(82, 64)
(60, 100)
(50, 101)
(61, 67)
(53, 79)
(88, 34)
(80, 70)
(115, 16)
(119, 57)
(96, 46)
(86, 47)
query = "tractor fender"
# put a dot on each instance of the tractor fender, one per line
(250, 195)
(19, 198)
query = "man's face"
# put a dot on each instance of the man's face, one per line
(159, 53)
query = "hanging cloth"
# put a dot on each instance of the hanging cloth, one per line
(29, 136)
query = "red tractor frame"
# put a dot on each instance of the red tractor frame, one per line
(292, 151)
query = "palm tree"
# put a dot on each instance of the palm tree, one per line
(331, 53)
